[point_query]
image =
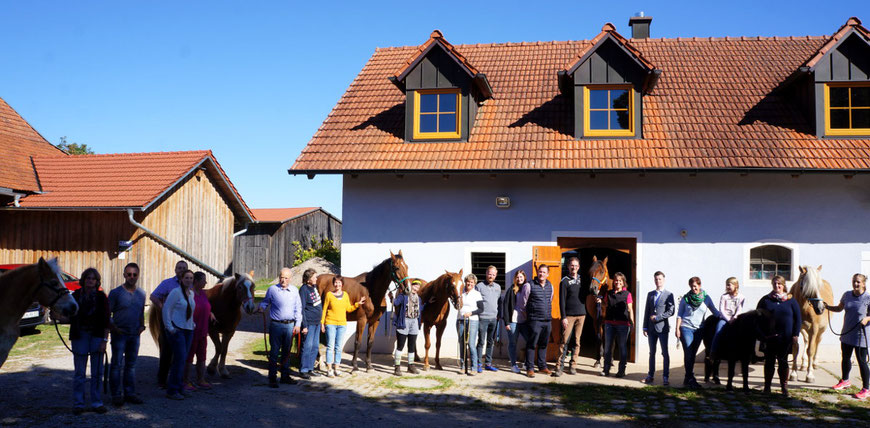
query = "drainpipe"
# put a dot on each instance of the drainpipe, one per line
(172, 247)
(241, 232)
(17, 201)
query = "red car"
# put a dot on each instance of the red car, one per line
(35, 314)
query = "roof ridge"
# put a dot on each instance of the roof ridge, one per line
(174, 152)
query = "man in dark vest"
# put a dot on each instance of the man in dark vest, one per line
(534, 308)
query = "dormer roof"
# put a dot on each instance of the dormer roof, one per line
(608, 32)
(852, 26)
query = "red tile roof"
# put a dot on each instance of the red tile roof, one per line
(714, 107)
(280, 215)
(609, 30)
(125, 180)
(18, 142)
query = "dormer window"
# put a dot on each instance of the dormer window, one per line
(437, 114)
(847, 109)
(610, 111)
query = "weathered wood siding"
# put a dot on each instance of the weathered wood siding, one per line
(267, 247)
(194, 217)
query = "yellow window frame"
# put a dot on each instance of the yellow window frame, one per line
(589, 132)
(455, 135)
(843, 131)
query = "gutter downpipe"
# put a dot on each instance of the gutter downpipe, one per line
(172, 247)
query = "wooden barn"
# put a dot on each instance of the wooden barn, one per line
(267, 244)
(104, 211)
(715, 157)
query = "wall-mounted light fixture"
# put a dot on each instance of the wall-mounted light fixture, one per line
(503, 202)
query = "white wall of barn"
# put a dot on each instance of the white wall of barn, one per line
(438, 222)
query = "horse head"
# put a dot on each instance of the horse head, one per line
(52, 291)
(810, 283)
(244, 288)
(599, 276)
(399, 271)
(456, 285)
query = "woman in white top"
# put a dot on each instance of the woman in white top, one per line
(467, 324)
(730, 305)
(178, 319)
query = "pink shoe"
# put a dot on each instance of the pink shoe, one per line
(189, 387)
(203, 385)
(842, 385)
(862, 394)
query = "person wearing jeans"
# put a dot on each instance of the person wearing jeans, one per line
(490, 291)
(618, 319)
(468, 325)
(178, 318)
(510, 316)
(127, 306)
(88, 334)
(333, 322)
(656, 326)
(535, 304)
(285, 313)
(311, 312)
(690, 315)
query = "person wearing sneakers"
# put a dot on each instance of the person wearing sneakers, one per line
(127, 305)
(856, 329)
(311, 313)
(659, 307)
(407, 308)
(333, 322)
(285, 313)
(572, 310)
(202, 317)
(690, 313)
(535, 306)
(488, 324)
(510, 316)
(466, 325)
(178, 317)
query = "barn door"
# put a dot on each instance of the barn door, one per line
(552, 257)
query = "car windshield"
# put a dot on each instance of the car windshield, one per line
(67, 277)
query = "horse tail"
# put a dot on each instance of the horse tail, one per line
(155, 324)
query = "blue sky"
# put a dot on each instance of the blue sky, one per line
(252, 81)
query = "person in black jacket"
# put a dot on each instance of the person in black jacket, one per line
(787, 315)
(312, 309)
(509, 316)
(88, 335)
(572, 311)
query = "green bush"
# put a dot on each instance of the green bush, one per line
(324, 249)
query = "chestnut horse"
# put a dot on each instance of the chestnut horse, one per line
(226, 299)
(811, 293)
(373, 285)
(20, 287)
(436, 295)
(599, 285)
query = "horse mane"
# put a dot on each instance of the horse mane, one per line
(811, 283)
(376, 269)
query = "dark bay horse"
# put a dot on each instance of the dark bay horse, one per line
(373, 285)
(736, 343)
(599, 285)
(437, 296)
(227, 299)
(20, 287)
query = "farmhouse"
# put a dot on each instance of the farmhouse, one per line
(108, 210)
(266, 245)
(714, 157)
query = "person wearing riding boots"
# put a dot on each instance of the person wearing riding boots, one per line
(202, 317)
(285, 313)
(488, 324)
(311, 312)
(333, 322)
(127, 306)
(509, 316)
(88, 334)
(535, 307)
(656, 326)
(467, 325)
(787, 318)
(690, 314)
(158, 296)
(730, 305)
(572, 311)
(853, 336)
(618, 319)
(178, 317)
(407, 309)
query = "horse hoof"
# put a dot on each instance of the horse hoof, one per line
(811, 378)
(793, 376)
(368, 369)
(438, 367)
(425, 367)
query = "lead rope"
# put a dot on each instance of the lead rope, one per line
(863, 333)
(105, 358)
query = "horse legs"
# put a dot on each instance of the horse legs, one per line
(426, 329)
(216, 340)
(798, 355)
(439, 330)
(731, 366)
(744, 370)
(812, 347)
(360, 326)
(222, 365)
(370, 342)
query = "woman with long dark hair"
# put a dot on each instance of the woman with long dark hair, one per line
(618, 319)
(510, 316)
(178, 318)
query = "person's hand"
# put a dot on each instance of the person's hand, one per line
(362, 301)
(171, 332)
(322, 328)
(296, 330)
(507, 327)
(652, 318)
(564, 323)
(677, 332)
(141, 329)
(794, 340)
(466, 315)
(305, 330)
(212, 317)
(865, 321)
(390, 295)
(644, 333)
(598, 299)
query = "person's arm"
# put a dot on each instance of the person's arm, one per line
(326, 303)
(563, 294)
(681, 312)
(712, 306)
(171, 299)
(297, 311)
(523, 299)
(630, 302)
(305, 302)
(479, 309)
(669, 308)
(837, 308)
(796, 319)
(723, 309)
(267, 300)
(646, 310)
(113, 297)
(497, 307)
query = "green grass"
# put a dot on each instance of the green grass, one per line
(393, 383)
(43, 343)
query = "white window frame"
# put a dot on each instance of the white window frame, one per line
(747, 249)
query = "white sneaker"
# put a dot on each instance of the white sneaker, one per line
(330, 373)
(337, 373)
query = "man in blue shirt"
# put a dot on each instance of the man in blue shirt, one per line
(127, 306)
(158, 296)
(285, 311)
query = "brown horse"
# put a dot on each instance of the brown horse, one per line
(599, 285)
(373, 286)
(811, 293)
(20, 287)
(437, 294)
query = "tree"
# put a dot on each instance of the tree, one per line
(74, 148)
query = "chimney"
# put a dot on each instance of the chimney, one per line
(639, 26)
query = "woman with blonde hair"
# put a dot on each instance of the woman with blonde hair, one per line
(730, 305)
(854, 333)
(509, 316)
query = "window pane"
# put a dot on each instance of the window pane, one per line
(619, 120)
(755, 271)
(839, 97)
(861, 118)
(839, 118)
(428, 103)
(598, 120)
(861, 96)
(428, 123)
(619, 98)
(448, 122)
(598, 99)
(785, 271)
(448, 102)
(769, 271)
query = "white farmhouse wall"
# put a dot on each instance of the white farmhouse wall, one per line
(438, 222)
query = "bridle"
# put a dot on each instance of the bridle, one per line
(395, 278)
(58, 291)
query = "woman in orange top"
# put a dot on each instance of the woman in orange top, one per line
(336, 305)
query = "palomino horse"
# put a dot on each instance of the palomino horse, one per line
(20, 287)
(599, 285)
(437, 294)
(373, 285)
(811, 293)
